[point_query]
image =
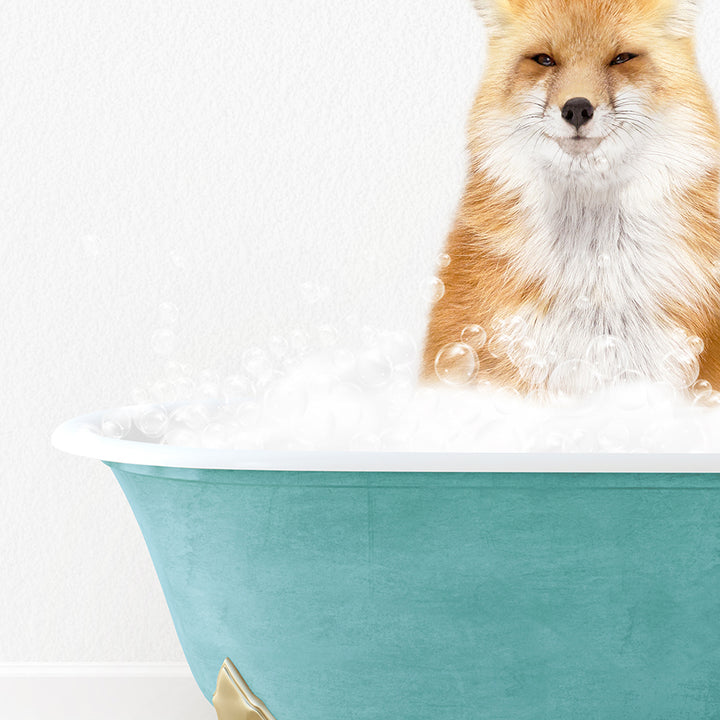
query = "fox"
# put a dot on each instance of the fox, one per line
(587, 240)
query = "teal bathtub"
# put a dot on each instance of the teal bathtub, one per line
(371, 586)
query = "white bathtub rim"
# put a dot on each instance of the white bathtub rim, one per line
(77, 438)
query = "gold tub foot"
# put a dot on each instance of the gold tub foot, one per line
(234, 700)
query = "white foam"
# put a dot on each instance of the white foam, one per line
(367, 398)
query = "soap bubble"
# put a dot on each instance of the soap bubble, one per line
(680, 368)
(194, 416)
(168, 313)
(331, 397)
(499, 344)
(515, 326)
(483, 385)
(701, 390)
(116, 423)
(374, 368)
(696, 345)
(456, 364)
(713, 400)
(497, 323)
(443, 260)
(164, 341)
(534, 369)
(609, 355)
(152, 420)
(474, 336)
(434, 290)
(521, 348)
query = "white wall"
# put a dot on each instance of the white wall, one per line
(215, 155)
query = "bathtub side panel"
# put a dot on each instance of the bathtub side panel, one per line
(415, 600)
(274, 578)
(553, 604)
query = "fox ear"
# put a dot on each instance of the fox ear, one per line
(683, 13)
(493, 12)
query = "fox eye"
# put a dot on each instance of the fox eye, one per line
(544, 60)
(623, 58)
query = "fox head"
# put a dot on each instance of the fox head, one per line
(588, 88)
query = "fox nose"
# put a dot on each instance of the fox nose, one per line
(578, 111)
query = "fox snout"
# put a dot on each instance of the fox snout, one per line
(578, 111)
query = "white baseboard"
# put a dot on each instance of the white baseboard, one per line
(111, 691)
(94, 670)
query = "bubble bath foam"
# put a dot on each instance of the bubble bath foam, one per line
(365, 585)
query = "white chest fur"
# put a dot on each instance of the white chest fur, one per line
(610, 263)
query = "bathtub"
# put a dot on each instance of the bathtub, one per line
(416, 586)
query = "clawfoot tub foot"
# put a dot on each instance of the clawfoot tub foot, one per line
(233, 699)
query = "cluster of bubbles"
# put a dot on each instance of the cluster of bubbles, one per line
(293, 393)
(309, 391)
(435, 287)
(605, 361)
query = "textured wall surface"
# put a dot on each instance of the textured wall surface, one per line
(215, 156)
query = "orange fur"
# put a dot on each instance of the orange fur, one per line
(482, 281)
